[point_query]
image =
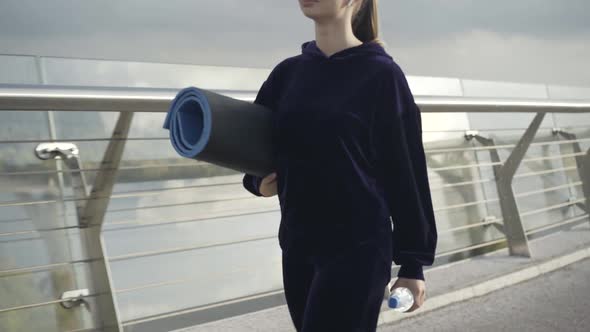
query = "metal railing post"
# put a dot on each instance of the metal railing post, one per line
(582, 165)
(585, 175)
(504, 173)
(91, 210)
(92, 218)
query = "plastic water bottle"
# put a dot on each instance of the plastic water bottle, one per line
(401, 299)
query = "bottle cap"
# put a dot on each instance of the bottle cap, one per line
(393, 302)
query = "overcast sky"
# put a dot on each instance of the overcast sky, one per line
(544, 41)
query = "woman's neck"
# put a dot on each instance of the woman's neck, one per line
(334, 36)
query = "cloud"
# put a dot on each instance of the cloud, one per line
(524, 40)
(430, 19)
(480, 54)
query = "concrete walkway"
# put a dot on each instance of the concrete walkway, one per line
(451, 285)
(556, 301)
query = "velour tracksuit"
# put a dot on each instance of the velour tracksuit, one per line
(349, 157)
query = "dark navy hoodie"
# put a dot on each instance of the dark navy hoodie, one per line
(347, 137)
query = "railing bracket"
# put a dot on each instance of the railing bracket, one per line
(74, 298)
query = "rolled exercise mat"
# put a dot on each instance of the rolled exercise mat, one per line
(220, 130)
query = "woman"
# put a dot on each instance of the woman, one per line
(347, 138)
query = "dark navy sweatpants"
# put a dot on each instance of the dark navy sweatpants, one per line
(341, 291)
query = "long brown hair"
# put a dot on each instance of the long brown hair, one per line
(365, 22)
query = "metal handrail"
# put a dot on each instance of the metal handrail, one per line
(26, 97)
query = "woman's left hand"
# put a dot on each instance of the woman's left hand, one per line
(416, 286)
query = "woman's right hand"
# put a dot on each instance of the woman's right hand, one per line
(268, 185)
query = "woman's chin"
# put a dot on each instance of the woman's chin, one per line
(312, 14)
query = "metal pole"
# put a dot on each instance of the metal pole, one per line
(93, 215)
(513, 227)
(583, 166)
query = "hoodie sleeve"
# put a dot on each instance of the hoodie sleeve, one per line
(265, 98)
(401, 165)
